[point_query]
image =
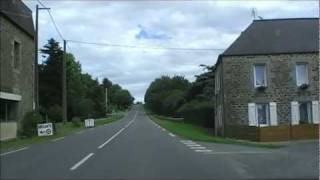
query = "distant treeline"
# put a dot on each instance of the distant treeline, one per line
(177, 97)
(85, 95)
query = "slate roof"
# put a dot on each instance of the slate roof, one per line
(18, 13)
(275, 36)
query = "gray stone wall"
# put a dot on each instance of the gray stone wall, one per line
(17, 80)
(281, 84)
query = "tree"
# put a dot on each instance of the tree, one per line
(50, 73)
(86, 95)
(160, 89)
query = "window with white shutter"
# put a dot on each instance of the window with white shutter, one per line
(262, 114)
(315, 112)
(305, 112)
(252, 114)
(294, 113)
(273, 114)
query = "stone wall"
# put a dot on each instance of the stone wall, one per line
(17, 80)
(281, 84)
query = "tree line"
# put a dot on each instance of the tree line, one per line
(177, 97)
(86, 96)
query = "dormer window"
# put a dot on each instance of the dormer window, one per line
(302, 78)
(260, 76)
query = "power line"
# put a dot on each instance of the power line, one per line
(124, 45)
(52, 20)
(144, 47)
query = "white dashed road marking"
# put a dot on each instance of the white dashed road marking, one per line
(81, 162)
(115, 135)
(172, 135)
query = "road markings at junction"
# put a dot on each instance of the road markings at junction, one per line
(57, 139)
(10, 152)
(172, 135)
(197, 147)
(163, 129)
(81, 162)
(203, 150)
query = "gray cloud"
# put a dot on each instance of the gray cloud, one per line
(205, 24)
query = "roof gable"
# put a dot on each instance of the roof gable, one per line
(277, 36)
(18, 13)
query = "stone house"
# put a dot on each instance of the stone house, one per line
(267, 82)
(16, 64)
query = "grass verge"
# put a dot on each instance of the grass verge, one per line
(196, 133)
(61, 130)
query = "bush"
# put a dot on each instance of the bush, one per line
(55, 113)
(198, 112)
(76, 121)
(172, 102)
(29, 123)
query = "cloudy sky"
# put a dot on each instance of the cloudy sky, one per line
(178, 24)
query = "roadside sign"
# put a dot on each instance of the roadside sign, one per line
(89, 123)
(45, 129)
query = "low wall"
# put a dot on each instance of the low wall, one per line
(274, 133)
(8, 130)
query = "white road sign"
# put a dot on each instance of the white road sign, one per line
(89, 123)
(45, 129)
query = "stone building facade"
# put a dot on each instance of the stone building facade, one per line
(281, 108)
(17, 66)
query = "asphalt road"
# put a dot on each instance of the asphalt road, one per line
(137, 148)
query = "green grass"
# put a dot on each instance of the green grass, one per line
(197, 133)
(62, 130)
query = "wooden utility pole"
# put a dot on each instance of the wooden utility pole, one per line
(36, 93)
(36, 71)
(64, 83)
(106, 101)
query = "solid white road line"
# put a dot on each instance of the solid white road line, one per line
(81, 162)
(101, 146)
(203, 150)
(172, 135)
(245, 152)
(3, 154)
(57, 139)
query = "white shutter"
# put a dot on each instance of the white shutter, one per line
(252, 114)
(315, 112)
(295, 118)
(273, 114)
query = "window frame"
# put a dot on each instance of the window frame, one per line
(307, 72)
(309, 112)
(255, 77)
(16, 64)
(267, 114)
